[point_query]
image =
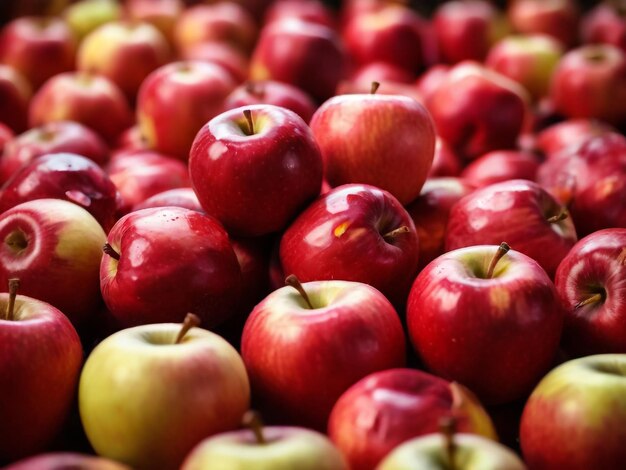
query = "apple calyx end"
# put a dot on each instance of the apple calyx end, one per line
(252, 420)
(293, 281)
(503, 249)
(14, 285)
(248, 115)
(448, 427)
(108, 249)
(374, 88)
(191, 320)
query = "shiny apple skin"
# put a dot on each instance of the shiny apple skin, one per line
(514, 211)
(255, 184)
(496, 336)
(340, 236)
(15, 94)
(386, 408)
(64, 176)
(596, 264)
(501, 165)
(178, 197)
(445, 161)
(172, 261)
(571, 132)
(232, 59)
(300, 360)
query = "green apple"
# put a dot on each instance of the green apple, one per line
(86, 15)
(149, 394)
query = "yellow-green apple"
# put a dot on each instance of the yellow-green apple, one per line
(353, 131)
(410, 403)
(228, 56)
(314, 61)
(176, 100)
(162, 14)
(354, 233)
(305, 344)
(605, 23)
(162, 262)
(590, 82)
(266, 448)
(518, 211)
(488, 318)
(391, 34)
(466, 30)
(430, 213)
(274, 93)
(64, 176)
(91, 100)
(527, 59)
(54, 137)
(54, 247)
(382, 72)
(556, 18)
(178, 197)
(445, 161)
(125, 52)
(65, 461)
(571, 132)
(149, 394)
(501, 165)
(590, 282)
(86, 15)
(574, 417)
(477, 110)
(255, 168)
(15, 94)
(38, 47)
(39, 367)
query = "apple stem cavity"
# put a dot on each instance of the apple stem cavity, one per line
(294, 282)
(374, 88)
(248, 114)
(190, 321)
(108, 249)
(255, 89)
(595, 298)
(252, 420)
(14, 285)
(395, 232)
(503, 249)
(560, 216)
(447, 427)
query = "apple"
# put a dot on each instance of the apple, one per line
(380, 71)
(38, 47)
(353, 131)
(556, 18)
(519, 211)
(178, 197)
(161, 14)
(445, 161)
(571, 132)
(589, 283)
(124, 52)
(6, 135)
(313, 11)
(39, 368)
(590, 82)
(64, 176)
(574, 417)
(314, 61)
(354, 233)
(84, 98)
(176, 100)
(233, 60)
(353, 87)
(162, 262)
(65, 460)
(141, 383)
(605, 23)
(273, 447)
(501, 165)
(264, 154)
(15, 93)
(488, 318)
(430, 80)
(84, 16)
(410, 403)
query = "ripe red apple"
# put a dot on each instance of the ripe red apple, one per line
(64, 460)
(605, 23)
(350, 329)
(266, 156)
(430, 80)
(313, 11)
(382, 72)
(445, 161)
(178, 197)
(161, 14)
(572, 132)
(556, 18)
(488, 319)
(501, 165)
(161, 263)
(40, 361)
(352, 87)
(228, 56)
(353, 131)
(176, 100)
(6, 135)
(355, 233)
(519, 211)
(15, 93)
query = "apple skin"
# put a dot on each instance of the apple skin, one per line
(161, 14)
(65, 460)
(313, 11)
(516, 211)
(571, 132)
(353, 131)
(604, 23)
(574, 418)
(501, 165)
(6, 135)
(84, 16)
(340, 236)
(382, 72)
(287, 448)
(498, 335)
(15, 94)
(410, 403)
(64, 176)
(235, 61)
(274, 172)
(596, 264)
(54, 247)
(40, 362)
(352, 332)
(556, 18)
(131, 377)
(178, 197)
(590, 82)
(445, 161)
(176, 100)
(172, 261)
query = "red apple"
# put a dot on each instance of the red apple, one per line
(178, 197)
(382, 72)
(501, 165)
(445, 161)
(572, 132)
(556, 18)
(605, 23)
(65, 460)
(313, 11)
(352, 87)
(229, 57)
(15, 93)
(430, 80)
(6, 135)
(161, 14)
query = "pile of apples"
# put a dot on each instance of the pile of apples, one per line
(399, 237)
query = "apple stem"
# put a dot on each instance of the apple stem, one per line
(14, 285)
(248, 114)
(294, 282)
(589, 300)
(447, 427)
(191, 320)
(503, 249)
(374, 88)
(108, 249)
(560, 216)
(392, 234)
(251, 419)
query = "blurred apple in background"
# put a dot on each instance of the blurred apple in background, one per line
(382, 72)
(605, 23)
(6, 134)
(15, 94)
(313, 11)
(501, 165)
(571, 132)
(162, 14)
(445, 161)
(556, 18)
(84, 16)
(232, 59)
